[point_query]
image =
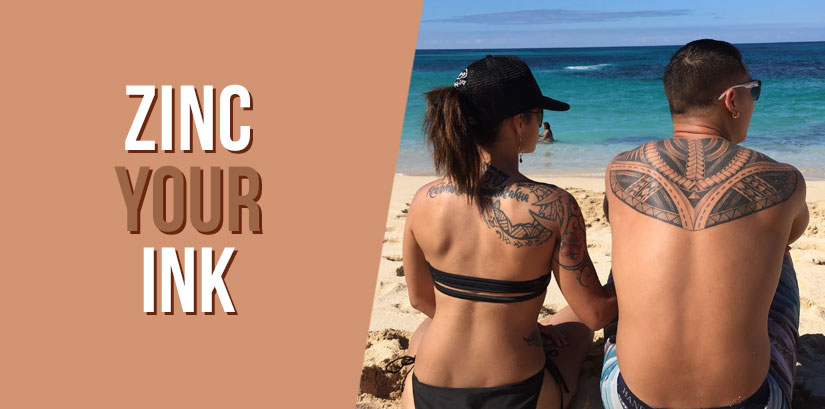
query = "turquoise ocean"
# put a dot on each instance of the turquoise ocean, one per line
(617, 103)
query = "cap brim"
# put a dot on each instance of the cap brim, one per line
(553, 105)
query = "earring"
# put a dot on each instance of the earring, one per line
(520, 154)
(734, 115)
(519, 157)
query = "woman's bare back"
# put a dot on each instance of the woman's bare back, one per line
(514, 240)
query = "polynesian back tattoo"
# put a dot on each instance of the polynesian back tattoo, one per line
(699, 183)
(549, 206)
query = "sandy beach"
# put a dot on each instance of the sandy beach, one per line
(393, 319)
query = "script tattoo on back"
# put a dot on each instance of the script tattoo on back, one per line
(699, 183)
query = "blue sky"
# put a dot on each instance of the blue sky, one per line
(525, 24)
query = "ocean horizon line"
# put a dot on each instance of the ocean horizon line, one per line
(602, 46)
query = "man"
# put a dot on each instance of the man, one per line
(708, 309)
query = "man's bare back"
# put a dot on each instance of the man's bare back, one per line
(699, 229)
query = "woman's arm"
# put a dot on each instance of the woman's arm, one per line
(575, 274)
(416, 269)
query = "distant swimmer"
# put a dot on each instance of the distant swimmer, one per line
(547, 135)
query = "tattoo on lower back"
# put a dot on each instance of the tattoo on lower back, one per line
(699, 183)
(534, 339)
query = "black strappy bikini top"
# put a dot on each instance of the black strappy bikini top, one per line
(462, 285)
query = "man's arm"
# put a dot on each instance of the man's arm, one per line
(800, 221)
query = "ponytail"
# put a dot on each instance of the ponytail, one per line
(455, 138)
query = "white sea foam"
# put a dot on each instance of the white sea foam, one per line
(585, 67)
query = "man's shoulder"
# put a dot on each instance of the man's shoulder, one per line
(646, 157)
(756, 158)
(636, 154)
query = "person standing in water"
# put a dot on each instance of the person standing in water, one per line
(546, 134)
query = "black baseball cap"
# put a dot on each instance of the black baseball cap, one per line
(500, 86)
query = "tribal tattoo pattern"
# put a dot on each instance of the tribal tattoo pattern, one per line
(550, 209)
(546, 210)
(573, 255)
(699, 183)
(546, 207)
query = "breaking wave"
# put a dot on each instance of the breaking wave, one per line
(585, 67)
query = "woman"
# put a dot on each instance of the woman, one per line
(478, 245)
(547, 134)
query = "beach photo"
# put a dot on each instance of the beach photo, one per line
(757, 184)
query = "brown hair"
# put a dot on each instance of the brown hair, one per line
(455, 137)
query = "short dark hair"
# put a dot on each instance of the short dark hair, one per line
(699, 72)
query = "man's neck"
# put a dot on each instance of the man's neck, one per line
(691, 127)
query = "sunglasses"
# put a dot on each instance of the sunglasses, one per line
(539, 113)
(755, 86)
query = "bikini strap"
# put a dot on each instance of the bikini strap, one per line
(461, 285)
(405, 361)
(556, 374)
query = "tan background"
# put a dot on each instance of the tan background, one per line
(329, 82)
